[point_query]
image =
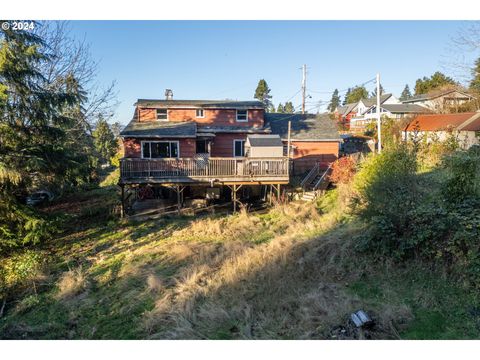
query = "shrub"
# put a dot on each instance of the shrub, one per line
(343, 170)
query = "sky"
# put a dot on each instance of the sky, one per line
(225, 59)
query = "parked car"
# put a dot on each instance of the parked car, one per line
(39, 198)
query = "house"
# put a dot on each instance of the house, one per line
(314, 139)
(442, 100)
(195, 146)
(344, 114)
(465, 128)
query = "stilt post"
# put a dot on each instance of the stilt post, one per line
(179, 204)
(122, 211)
(278, 193)
(234, 198)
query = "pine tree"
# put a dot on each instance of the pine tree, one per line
(436, 81)
(280, 108)
(33, 122)
(347, 94)
(104, 140)
(475, 82)
(262, 93)
(289, 108)
(406, 94)
(374, 92)
(334, 102)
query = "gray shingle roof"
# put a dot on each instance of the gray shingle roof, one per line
(265, 140)
(304, 127)
(231, 129)
(373, 101)
(160, 129)
(405, 108)
(219, 104)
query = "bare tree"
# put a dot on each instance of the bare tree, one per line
(72, 58)
(463, 49)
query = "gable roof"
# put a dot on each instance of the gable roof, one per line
(346, 109)
(434, 95)
(264, 140)
(207, 104)
(372, 101)
(160, 129)
(303, 127)
(435, 122)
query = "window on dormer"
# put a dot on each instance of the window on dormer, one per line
(242, 115)
(199, 113)
(162, 114)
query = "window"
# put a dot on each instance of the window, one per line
(238, 148)
(202, 147)
(162, 114)
(242, 115)
(159, 149)
(199, 113)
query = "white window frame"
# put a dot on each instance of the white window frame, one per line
(241, 120)
(156, 115)
(165, 141)
(234, 142)
(203, 113)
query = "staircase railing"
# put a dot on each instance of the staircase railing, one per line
(322, 178)
(310, 176)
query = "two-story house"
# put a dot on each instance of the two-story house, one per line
(198, 146)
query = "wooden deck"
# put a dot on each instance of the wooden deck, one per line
(227, 171)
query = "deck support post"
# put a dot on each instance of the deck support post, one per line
(122, 210)
(271, 195)
(278, 193)
(179, 190)
(234, 199)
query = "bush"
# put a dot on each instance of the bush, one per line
(343, 170)
(386, 194)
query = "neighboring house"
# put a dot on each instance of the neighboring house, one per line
(392, 111)
(465, 127)
(183, 144)
(344, 114)
(314, 139)
(439, 101)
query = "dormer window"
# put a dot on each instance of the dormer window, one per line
(162, 115)
(199, 113)
(242, 115)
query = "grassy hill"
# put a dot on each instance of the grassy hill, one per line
(289, 273)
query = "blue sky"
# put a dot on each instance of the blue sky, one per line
(225, 59)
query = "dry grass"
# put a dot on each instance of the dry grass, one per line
(71, 283)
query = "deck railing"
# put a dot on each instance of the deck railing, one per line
(134, 168)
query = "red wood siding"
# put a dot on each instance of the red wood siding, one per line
(222, 145)
(220, 117)
(307, 153)
(132, 147)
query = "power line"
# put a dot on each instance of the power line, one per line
(343, 90)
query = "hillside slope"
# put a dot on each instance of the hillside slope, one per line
(291, 273)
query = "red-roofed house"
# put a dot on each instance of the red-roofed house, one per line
(465, 126)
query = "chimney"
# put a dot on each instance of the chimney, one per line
(168, 94)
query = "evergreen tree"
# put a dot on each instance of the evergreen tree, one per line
(262, 93)
(406, 94)
(280, 108)
(271, 108)
(347, 94)
(437, 81)
(356, 94)
(104, 140)
(33, 123)
(374, 92)
(289, 108)
(475, 82)
(334, 102)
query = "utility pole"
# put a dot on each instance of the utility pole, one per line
(379, 117)
(304, 87)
